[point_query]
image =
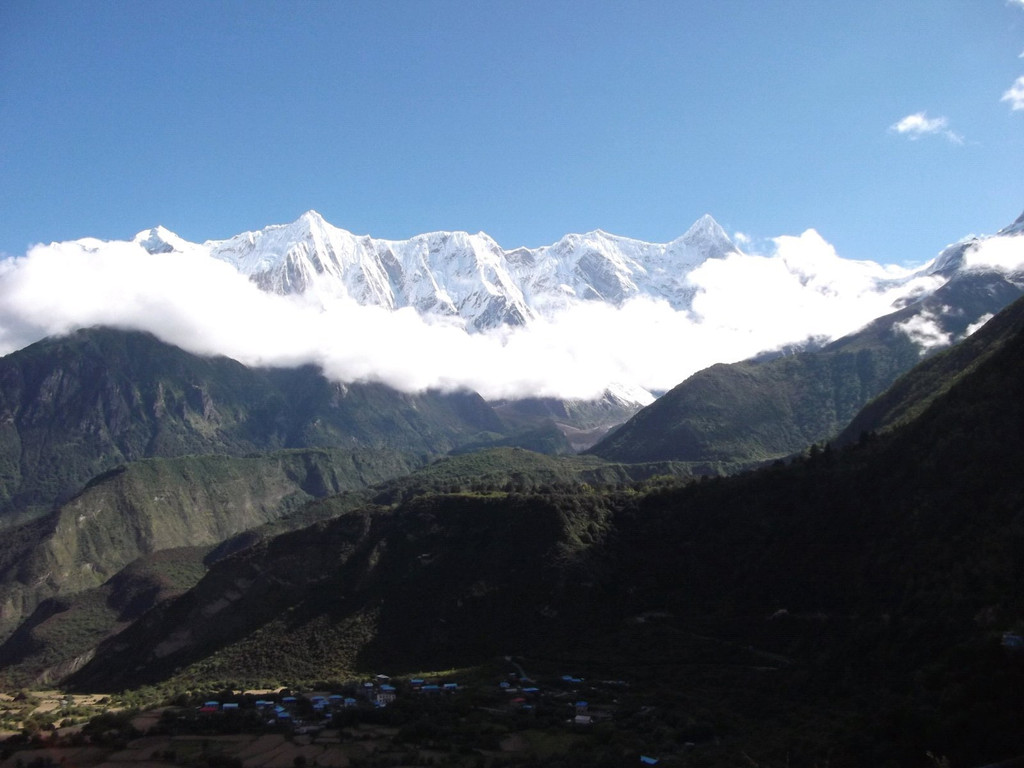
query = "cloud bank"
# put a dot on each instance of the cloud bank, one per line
(743, 304)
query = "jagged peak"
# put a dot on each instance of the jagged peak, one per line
(311, 217)
(708, 237)
(310, 221)
(159, 239)
(704, 228)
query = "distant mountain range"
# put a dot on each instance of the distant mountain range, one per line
(471, 278)
(459, 275)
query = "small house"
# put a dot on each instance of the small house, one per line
(582, 713)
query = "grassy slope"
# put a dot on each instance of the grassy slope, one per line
(914, 392)
(158, 504)
(746, 413)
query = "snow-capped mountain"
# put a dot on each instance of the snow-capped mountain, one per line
(591, 316)
(472, 280)
(459, 275)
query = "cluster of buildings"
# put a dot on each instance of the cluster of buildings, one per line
(310, 713)
(377, 693)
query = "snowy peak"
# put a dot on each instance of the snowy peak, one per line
(160, 240)
(470, 277)
(707, 238)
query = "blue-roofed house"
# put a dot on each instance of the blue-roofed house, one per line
(582, 713)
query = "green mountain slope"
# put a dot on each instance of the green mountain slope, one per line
(158, 504)
(55, 581)
(910, 395)
(847, 608)
(74, 407)
(739, 415)
(62, 632)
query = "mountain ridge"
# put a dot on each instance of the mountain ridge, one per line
(770, 407)
(73, 407)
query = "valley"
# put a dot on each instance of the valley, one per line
(808, 557)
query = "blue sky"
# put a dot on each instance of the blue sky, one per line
(526, 120)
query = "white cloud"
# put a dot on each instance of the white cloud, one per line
(743, 304)
(1015, 94)
(977, 324)
(919, 124)
(1003, 253)
(925, 331)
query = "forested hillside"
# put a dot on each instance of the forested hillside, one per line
(875, 584)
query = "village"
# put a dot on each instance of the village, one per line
(457, 720)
